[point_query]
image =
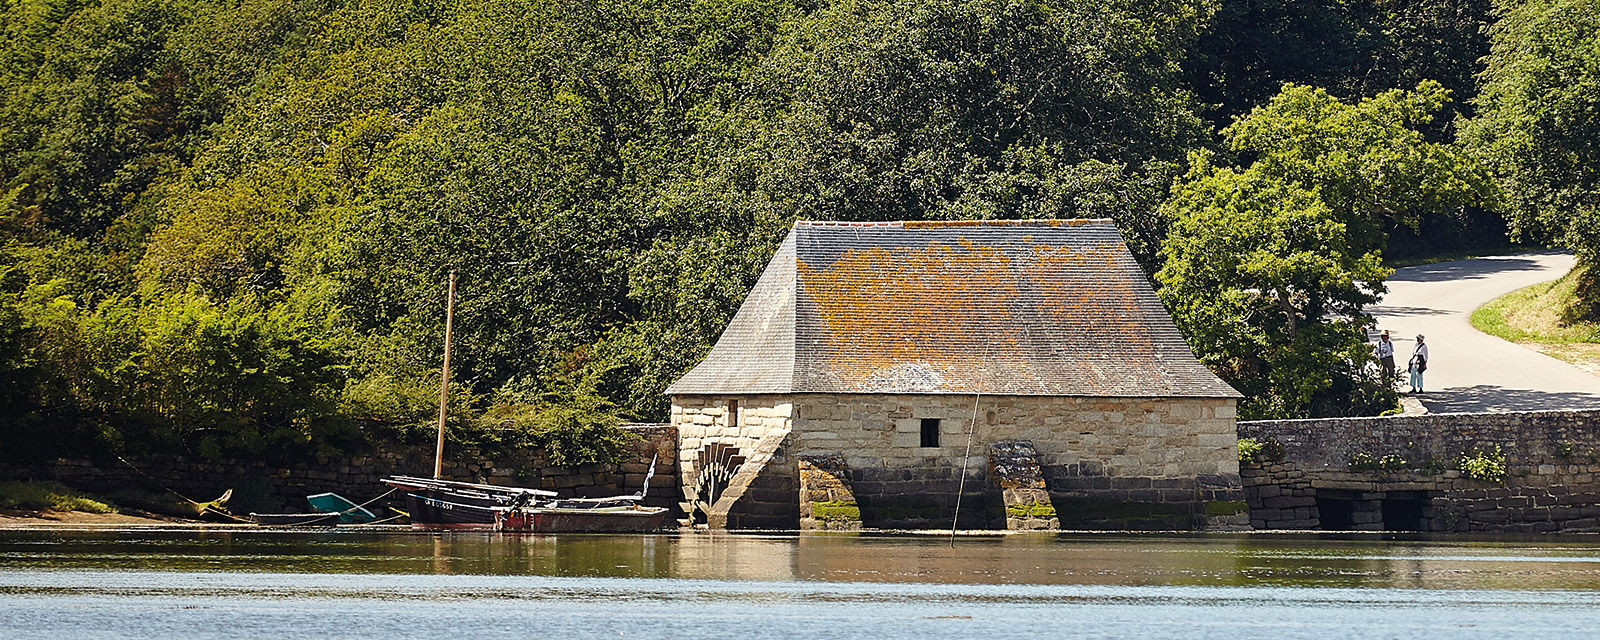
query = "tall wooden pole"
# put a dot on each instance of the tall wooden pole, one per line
(444, 376)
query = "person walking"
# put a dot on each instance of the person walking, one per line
(1385, 352)
(1418, 364)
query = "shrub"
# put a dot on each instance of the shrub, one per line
(1253, 451)
(1249, 450)
(571, 425)
(1478, 464)
(1363, 461)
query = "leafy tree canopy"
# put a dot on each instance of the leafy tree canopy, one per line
(226, 226)
(1267, 268)
(1538, 122)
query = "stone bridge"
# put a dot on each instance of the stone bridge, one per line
(1526, 472)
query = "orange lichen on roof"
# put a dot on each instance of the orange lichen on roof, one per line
(941, 308)
(1046, 222)
(1106, 313)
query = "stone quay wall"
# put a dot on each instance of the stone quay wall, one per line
(1405, 473)
(263, 487)
(1112, 463)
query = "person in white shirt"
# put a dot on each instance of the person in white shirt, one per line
(1418, 364)
(1384, 350)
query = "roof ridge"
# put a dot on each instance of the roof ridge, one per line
(943, 224)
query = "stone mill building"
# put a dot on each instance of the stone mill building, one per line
(845, 391)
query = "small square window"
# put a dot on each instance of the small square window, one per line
(930, 432)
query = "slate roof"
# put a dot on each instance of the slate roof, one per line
(1031, 307)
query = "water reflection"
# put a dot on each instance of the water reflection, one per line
(1128, 560)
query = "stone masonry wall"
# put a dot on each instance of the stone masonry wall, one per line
(1014, 470)
(736, 470)
(270, 488)
(1551, 481)
(1108, 462)
(826, 499)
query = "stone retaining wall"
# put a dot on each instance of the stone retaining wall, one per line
(271, 488)
(1404, 473)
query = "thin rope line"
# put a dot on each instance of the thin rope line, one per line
(204, 507)
(961, 488)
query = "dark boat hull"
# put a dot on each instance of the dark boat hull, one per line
(634, 520)
(435, 508)
(450, 511)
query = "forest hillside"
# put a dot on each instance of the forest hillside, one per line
(226, 225)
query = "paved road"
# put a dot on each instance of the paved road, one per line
(1470, 370)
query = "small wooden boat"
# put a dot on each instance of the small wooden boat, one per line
(348, 512)
(620, 519)
(328, 509)
(446, 504)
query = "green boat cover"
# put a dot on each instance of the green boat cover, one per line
(349, 512)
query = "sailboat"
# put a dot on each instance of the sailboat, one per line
(437, 503)
(447, 504)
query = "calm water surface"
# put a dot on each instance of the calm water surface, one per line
(399, 584)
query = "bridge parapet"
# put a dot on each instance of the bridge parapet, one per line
(1532, 472)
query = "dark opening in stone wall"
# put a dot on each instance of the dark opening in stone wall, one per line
(1405, 511)
(1335, 511)
(930, 432)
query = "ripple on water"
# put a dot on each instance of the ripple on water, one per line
(264, 585)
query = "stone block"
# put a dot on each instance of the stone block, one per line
(1581, 524)
(1122, 483)
(1491, 517)
(906, 440)
(1218, 440)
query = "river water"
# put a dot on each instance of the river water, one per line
(398, 584)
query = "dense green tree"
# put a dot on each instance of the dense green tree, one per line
(99, 99)
(946, 109)
(1351, 48)
(1267, 268)
(1368, 161)
(227, 226)
(1268, 284)
(1538, 125)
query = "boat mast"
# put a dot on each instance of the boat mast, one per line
(444, 376)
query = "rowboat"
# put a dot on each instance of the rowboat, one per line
(327, 509)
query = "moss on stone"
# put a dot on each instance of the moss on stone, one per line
(836, 510)
(1031, 510)
(1225, 507)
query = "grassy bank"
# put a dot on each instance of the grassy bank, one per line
(1538, 317)
(49, 496)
